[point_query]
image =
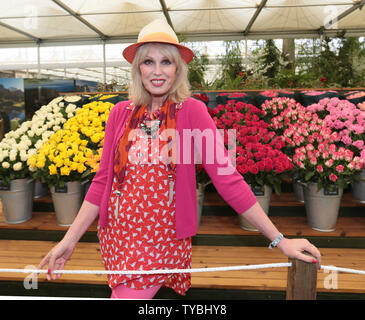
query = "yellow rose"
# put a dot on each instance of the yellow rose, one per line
(65, 171)
(81, 168)
(32, 161)
(40, 164)
(52, 169)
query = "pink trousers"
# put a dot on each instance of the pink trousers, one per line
(123, 292)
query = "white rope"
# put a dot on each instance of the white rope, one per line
(162, 271)
(346, 270)
(166, 271)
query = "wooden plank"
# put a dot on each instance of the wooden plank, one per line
(285, 199)
(87, 256)
(290, 226)
(219, 225)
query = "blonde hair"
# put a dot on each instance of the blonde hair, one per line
(180, 89)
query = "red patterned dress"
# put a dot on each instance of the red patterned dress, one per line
(140, 234)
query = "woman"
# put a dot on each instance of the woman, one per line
(144, 191)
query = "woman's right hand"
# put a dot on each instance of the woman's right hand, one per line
(56, 258)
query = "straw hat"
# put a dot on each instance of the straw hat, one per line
(157, 31)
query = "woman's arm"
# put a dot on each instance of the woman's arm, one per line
(292, 248)
(57, 257)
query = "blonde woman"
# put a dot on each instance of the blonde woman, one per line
(144, 192)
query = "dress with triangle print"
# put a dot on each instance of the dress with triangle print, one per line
(140, 234)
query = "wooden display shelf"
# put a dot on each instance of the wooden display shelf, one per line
(19, 254)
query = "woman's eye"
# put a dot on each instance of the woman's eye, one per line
(147, 61)
(166, 61)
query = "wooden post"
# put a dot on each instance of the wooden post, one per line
(302, 281)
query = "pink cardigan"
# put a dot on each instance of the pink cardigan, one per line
(193, 115)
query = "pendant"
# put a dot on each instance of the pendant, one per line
(152, 129)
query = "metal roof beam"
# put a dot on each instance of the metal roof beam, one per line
(254, 17)
(344, 14)
(166, 13)
(81, 19)
(37, 40)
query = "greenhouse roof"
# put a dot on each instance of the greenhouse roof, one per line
(64, 22)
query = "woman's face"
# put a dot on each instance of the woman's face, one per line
(157, 73)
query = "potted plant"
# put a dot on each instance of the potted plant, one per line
(62, 160)
(259, 156)
(279, 114)
(324, 168)
(16, 184)
(18, 146)
(348, 121)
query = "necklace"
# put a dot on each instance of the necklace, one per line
(150, 123)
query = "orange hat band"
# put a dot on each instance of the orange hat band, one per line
(158, 37)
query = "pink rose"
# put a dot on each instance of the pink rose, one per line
(333, 177)
(319, 168)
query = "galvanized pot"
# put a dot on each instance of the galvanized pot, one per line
(40, 189)
(358, 188)
(298, 191)
(322, 207)
(18, 201)
(263, 198)
(67, 202)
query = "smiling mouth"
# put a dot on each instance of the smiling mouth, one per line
(158, 83)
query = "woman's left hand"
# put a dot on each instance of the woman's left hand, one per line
(294, 248)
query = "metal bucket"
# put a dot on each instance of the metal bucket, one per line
(18, 201)
(40, 189)
(358, 188)
(200, 200)
(67, 202)
(322, 207)
(298, 191)
(264, 200)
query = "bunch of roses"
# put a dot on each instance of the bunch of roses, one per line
(309, 129)
(19, 145)
(259, 156)
(258, 150)
(61, 159)
(226, 115)
(90, 121)
(280, 112)
(345, 118)
(327, 164)
(73, 153)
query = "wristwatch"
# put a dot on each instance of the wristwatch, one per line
(276, 241)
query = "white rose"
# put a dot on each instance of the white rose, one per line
(12, 155)
(32, 152)
(30, 133)
(56, 128)
(70, 108)
(39, 144)
(56, 109)
(17, 166)
(23, 155)
(6, 165)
